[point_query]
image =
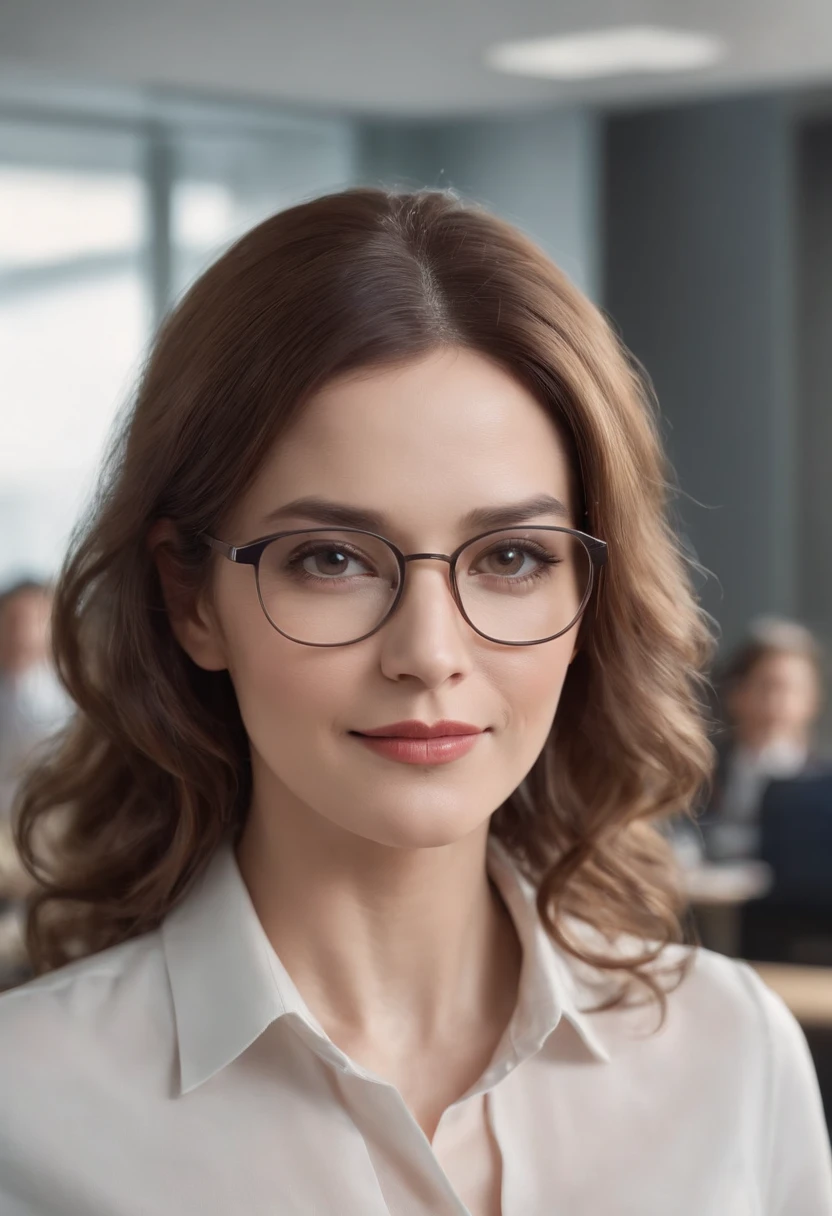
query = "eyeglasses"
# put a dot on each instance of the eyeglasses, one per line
(334, 587)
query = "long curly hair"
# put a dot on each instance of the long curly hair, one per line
(153, 772)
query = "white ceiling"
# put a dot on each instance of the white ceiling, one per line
(389, 57)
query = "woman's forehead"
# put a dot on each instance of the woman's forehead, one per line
(451, 428)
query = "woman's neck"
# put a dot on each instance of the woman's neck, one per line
(381, 941)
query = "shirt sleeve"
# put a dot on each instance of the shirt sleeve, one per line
(797, 1161)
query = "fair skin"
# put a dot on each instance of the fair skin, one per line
(779, 699)
(369, 875)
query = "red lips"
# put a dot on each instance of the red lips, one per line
(421, 730)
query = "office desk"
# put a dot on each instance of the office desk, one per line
(806, 990)
(717, 891)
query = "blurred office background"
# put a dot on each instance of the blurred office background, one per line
(676, 160)
(687, 188)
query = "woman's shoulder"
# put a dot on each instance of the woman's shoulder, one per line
(709, 997)
(85, 1052)
(758, 1046)
(722, 1017)
(93, 970)
(729, 989)
(722, 993)
(92, 1005)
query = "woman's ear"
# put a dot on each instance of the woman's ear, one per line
(191, 615)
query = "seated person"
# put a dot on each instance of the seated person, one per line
(771, 692)
(32, 705)
(792, 923)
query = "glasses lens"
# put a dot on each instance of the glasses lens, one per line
(327, 587)
(525, 584)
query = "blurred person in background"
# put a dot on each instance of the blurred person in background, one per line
(771, 695)
(32, 701)
(364, 907)
(32, 706)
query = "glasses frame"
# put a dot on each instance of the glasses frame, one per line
(251, 553)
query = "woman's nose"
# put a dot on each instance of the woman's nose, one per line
(427, 636)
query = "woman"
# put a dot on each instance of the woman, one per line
(386, 659)
(772, 693)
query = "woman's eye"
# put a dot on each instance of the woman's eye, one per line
(510, 559)
(330, 561)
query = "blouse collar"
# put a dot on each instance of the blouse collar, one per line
(229, 985)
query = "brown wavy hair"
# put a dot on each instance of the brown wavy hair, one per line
(153, 773)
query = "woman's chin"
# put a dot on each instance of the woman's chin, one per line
(421, 829)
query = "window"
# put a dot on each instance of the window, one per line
(74, 322)
(102, 226)
(224, 184)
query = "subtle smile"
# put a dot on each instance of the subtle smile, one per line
(408, 750)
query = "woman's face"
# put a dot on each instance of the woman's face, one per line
(422, 444)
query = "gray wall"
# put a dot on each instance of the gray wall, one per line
(698, 274)
(814, 317)
(705, 231)
(539, 171)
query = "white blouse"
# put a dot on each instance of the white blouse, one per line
(182, 1074)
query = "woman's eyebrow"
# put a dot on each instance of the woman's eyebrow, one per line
(336, 514)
